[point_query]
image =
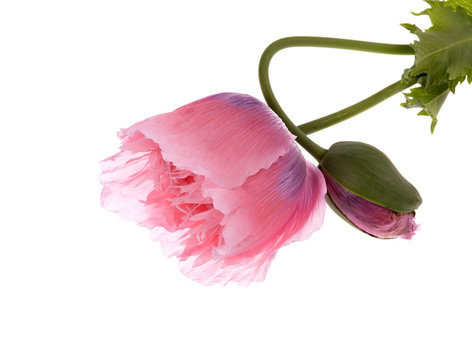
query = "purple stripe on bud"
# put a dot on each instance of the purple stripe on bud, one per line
(371, 218)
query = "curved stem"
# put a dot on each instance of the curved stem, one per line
(314, 149)
(307, 41)
(344, 114)
(345, 44)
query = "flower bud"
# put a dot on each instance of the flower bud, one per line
(366, 189)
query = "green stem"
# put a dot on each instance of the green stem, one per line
(314, 149)
(344, 114)
(304, 41)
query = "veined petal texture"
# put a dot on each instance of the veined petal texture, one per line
(221, 184)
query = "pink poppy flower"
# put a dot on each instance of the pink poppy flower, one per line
(220, 183)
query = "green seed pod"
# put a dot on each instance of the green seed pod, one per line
(367, 172)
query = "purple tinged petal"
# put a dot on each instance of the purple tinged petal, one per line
(220, 183)
(374, 219)
(225, 137)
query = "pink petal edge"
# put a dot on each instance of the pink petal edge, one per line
(225, 222)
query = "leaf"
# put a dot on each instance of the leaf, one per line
(443, 55)
(465, 4)
(430, 99)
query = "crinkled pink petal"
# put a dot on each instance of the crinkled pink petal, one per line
(271, 209)
(141, 186)
(225, 137)
(219, 231)
(273, 204)
(374, 219)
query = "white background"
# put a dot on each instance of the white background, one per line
(78, 283)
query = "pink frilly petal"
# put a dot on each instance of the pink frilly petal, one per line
(271, 209)
(225, 221)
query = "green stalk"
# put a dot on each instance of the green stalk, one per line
(344, 114)
(314, 149)
(346, 44)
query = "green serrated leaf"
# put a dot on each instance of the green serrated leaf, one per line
(443, 55)
(430, 99)
(412, 28)
(465, 4)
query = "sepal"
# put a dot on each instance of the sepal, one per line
(368, 173)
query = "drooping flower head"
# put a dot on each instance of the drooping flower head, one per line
(220, 183)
